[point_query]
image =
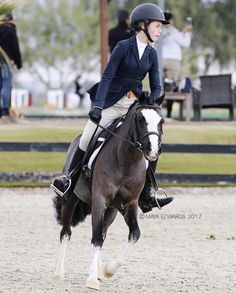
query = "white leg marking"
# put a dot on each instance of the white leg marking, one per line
(92, 280)
(112, 266)
(100, 266)
(59, 273)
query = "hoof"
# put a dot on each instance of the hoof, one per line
(93, 284)
(109, 269)
(58, 279)
(108, 274)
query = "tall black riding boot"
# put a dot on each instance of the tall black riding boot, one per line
(146, 201)
(63, 185)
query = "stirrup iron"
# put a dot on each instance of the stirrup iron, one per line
(162, 190)
(62, 194)
(156, 191)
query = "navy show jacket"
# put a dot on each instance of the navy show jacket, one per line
(125, 72)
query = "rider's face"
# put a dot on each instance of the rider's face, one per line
(154, 29)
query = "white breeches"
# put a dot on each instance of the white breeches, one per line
(108, 116)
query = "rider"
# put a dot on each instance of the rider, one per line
(119, 87)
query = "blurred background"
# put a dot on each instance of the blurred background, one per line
(60, 45)
(63, 42)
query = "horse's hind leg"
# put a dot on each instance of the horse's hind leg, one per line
(130, 217)
(66, 217)
(59, 272)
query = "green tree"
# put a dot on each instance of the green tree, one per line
(7, 5)
(224, 42)
(57, 35)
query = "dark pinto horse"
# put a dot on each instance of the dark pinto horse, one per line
(117, 180)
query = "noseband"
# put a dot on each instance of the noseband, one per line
(139, 145)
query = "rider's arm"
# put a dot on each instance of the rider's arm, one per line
(182, 38)
(154, 78)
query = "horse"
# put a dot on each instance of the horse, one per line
(117, 180)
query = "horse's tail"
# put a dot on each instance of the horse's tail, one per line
(81, 211)
(57, 209)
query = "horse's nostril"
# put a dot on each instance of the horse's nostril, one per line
(152, 156)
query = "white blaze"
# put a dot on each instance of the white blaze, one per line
(153, 119)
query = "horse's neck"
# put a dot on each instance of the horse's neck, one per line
(125, 130)
(127, 151)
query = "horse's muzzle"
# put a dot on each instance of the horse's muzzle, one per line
(152, 156)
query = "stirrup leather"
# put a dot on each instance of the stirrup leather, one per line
(59, 192)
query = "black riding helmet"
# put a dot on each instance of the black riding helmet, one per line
(146, 12)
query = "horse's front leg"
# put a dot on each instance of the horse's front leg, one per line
(67, 211)
(109, 217)
(130, 217)
(98, 209)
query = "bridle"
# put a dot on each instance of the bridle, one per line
(139, 145)
(135, 128)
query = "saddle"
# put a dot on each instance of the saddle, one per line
(98, 143)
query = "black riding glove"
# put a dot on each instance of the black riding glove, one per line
(95, 115)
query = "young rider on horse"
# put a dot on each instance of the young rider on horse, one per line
(120, 85)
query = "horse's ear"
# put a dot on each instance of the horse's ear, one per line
(143, 97)
(159, 101)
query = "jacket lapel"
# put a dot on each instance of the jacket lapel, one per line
(134, 47)
(145, 55)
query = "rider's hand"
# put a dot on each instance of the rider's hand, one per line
(95, 115)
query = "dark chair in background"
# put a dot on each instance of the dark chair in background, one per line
(216, 92)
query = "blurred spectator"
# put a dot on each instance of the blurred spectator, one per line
(10, 54)
(173, 41)
(122, 31)
(79, 90)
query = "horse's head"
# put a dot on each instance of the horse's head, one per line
(148, 128)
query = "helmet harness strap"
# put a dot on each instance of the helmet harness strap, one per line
(145, 30)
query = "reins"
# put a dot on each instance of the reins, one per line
(120, 137)
(136, 144)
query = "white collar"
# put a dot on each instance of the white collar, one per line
(140, 44)
(141, 47)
